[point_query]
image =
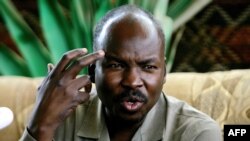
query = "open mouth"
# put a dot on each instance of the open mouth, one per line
(132, 104)
(132, 101)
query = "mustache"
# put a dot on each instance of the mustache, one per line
(132, 95)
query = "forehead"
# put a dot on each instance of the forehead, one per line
(133, 41)
(128, 17)
(134, 33)
(136, 45)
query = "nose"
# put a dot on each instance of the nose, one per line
(132, 79)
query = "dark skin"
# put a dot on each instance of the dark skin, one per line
(134, 62)
(129, 78)
(59, 95)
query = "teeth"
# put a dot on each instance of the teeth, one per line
(130, 103)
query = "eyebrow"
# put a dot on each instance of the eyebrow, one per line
(111, 57)
(146, 61)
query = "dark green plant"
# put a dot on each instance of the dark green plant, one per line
(67, 25)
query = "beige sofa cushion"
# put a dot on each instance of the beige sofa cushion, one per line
(18, 94)
(225, 96)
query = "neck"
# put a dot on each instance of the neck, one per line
(119, 129)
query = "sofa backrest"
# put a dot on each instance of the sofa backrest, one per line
(225, 96)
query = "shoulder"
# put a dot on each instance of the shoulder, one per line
(184, 111)
(188, 122)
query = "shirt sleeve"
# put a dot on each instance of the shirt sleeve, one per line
(202, 130)
(207, 131)
(26, 136)
(212, 134)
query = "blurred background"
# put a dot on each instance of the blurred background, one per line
(201, 35)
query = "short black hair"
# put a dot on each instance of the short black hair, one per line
(127, 9)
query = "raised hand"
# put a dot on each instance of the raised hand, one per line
(59, 94)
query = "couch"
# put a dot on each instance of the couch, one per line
(224, 95)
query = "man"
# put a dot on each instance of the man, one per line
(128, 69)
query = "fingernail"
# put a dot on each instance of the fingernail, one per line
(49, 65)
(101, 52)
(84, 50)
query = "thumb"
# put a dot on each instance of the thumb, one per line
(50, 67)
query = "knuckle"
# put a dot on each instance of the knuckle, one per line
(88, 59)
(70, 93)
(83, 63)
(83, 97)
(59, 83)
(67, 90)
(77, 62)
(94, 57)
(66, 56)
(71, 54)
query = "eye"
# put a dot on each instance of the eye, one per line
(149, 67)
(115, 66)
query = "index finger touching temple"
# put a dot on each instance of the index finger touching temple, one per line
(91, 58)
(84, 61)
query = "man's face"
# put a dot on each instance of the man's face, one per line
(129, 79)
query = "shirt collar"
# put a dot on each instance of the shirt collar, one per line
(155, 122)
(93, 121)
(152, 128)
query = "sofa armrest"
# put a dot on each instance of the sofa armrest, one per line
(18, 94)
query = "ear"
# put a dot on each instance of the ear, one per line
(91, 71)
(165, 74)
(165, 70)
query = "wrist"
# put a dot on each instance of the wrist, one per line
(45, 133)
